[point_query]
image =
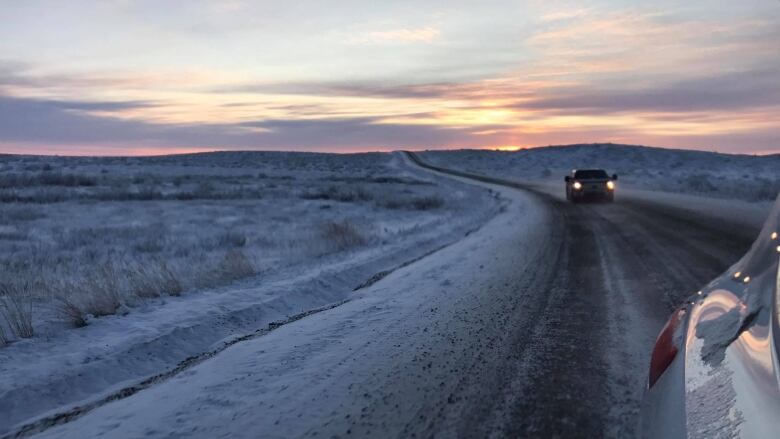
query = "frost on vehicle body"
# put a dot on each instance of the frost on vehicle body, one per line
(724, 381)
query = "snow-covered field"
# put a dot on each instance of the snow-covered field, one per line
(113, 269)
(708, 174)
(321, 375)
(501, 334)
(125, 274)
(91, 237)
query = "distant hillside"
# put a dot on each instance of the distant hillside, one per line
(221, 160)
(747, 177)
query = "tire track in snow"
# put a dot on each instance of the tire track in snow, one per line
(585, 370)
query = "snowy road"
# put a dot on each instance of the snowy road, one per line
(537, 325)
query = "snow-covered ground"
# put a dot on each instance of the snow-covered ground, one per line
(191, 252)
(539, 324)
(388, 353)
(89, 237)
(708, 174)
(413, 352)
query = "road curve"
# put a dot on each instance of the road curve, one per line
(537, 325)
(624, 268)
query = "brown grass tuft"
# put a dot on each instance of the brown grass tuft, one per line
(342, 234)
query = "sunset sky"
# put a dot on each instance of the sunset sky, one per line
(149, 77)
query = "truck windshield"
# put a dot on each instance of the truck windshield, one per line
(586, 174)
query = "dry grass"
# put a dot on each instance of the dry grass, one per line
(98, 294)
(46, 178)
(104, 297)
(235, 265)
(70, 311)
(109, 234)
(153, 279)
(428, 203)
(16, 306)
(344, 194)
(231, 238)
(343, 235)
(378, 193)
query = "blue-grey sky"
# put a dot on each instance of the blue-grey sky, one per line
(142, 76)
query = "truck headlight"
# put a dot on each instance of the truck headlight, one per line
(577, 185)
(610, 185)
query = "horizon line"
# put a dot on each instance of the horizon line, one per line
(178, 151)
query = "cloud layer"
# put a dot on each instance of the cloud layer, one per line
(353, 76)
